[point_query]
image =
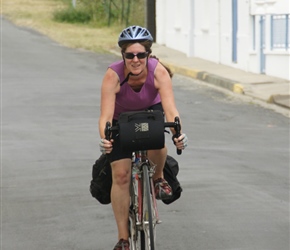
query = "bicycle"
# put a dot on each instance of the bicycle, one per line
(143, 212)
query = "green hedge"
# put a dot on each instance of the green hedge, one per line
(103, 12)
(72, 15)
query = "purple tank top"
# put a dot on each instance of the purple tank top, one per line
(129, 100)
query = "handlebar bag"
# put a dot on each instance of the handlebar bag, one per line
(141, 130)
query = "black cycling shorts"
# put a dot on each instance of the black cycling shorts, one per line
(118, 153)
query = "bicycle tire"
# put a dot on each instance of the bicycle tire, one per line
(134, 234)
(149, 229)
(142, 240)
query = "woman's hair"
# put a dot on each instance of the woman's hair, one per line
(147, 45)
(167, 68)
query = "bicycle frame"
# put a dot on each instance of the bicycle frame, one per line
(143, 212)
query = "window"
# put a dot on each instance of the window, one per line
(280, 35)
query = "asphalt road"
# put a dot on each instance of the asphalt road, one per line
(235, 171)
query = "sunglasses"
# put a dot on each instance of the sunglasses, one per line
(140, 55)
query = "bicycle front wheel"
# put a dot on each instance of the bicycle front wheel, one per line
(135, 237)
(149, 220)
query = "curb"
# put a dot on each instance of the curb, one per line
(281, 100)
(208, 77)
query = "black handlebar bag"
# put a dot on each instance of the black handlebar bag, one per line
(141, 130)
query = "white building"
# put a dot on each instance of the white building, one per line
(252, 35)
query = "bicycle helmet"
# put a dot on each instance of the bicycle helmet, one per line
(134, 34)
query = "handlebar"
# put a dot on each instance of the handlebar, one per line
(176, 125)
(108, 131)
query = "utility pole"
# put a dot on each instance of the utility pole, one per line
(150, 17)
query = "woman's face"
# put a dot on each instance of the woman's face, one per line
(135, 57)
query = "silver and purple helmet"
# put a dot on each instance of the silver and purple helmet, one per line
(134, 34)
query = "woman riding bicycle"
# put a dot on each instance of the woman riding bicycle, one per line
(138, 82)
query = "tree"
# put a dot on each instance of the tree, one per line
(150, 16)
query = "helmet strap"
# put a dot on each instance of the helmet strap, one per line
(126, 79)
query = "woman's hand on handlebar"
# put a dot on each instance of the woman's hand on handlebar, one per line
(106, 146)
(180, 142)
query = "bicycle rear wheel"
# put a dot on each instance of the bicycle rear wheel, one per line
(149, 220)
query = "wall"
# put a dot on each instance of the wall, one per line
(203, 28)
(174, 24)
(278, 64)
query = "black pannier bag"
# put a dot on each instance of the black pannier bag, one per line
(170, 173)
(101, 183)
(141, 130)
(100, 186)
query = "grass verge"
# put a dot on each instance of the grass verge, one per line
(38, 15)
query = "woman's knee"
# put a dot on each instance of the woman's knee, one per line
(121, 172)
